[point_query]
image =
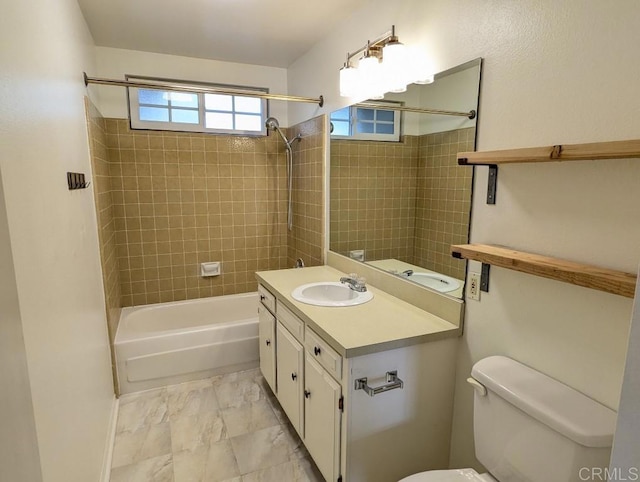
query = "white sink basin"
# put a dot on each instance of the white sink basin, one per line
(438, 282)
(330, 293)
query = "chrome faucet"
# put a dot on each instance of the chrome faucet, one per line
(355, 282)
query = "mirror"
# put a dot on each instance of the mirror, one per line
(398, 199)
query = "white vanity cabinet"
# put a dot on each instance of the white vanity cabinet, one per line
(267, 335)
(290, 370)
(373, 415)
(322, 417)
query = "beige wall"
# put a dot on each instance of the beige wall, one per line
(305, 240)
(181, 199)
(116, 63)
(543, 83)
(54, 241)
(19, 458)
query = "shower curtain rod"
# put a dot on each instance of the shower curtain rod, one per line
(200, 89)
(372, 105)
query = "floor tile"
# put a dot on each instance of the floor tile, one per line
(249, 417)
(157, 469)
(212, 463)
(298, 470)
(229, 428)
(191, 398)
(262, 449)
(237, 389)
(140, 409)
(188, 433)
(145, 443)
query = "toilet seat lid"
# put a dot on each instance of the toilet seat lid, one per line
(455, 475)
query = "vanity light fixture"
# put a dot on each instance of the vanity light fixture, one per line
(385, 66)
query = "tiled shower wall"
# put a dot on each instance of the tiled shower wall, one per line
(443, 204)
(306, 238)
(373, 192)
(106, 223)
(409, 200)
(180, 199)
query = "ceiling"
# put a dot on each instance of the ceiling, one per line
(262, 32)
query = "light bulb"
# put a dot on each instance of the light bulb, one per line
(371, 77)
(395, 61)
(348, 81)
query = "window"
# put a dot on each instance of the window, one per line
(197, 112)
(366, 123)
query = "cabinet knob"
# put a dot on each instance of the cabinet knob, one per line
(294, 376)
(307, 394)
(262, 297)
(316, 350)
(267, 342)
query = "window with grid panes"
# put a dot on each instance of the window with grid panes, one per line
(197, 112)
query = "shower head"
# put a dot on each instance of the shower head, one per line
(272, 123)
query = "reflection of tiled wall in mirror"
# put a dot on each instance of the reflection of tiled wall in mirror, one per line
(443, 204)
(409, 200)
(373, 192)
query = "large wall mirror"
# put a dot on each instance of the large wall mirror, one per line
(398, 199)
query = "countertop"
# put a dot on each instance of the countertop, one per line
(384, 323)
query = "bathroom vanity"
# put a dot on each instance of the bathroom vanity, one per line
(369, 388)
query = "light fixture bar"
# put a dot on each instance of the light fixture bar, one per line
(196, 89)
(374, 43)
(418, 110)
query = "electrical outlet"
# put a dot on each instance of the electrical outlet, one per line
(473, 290)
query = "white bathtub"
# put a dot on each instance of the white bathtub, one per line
(166, 343)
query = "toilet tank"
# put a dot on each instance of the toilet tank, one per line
(530, 427)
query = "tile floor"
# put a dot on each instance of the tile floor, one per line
(223, 429)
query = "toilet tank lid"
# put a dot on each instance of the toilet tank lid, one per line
(549, 401)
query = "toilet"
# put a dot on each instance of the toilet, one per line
(529, 427)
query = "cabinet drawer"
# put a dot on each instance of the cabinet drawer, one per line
(291, 321)
(323, 353)
(267, 299)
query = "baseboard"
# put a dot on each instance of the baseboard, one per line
(111, 436)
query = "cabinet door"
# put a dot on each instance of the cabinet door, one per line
(322, 418)
(267, 332)
(290, 377)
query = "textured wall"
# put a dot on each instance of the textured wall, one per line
(181, 199)
(306, 238)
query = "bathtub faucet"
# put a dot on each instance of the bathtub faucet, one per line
(355, 283)
(406, 273)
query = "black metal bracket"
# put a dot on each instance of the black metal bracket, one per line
(76, 180)
(484, 277)
(492, 184)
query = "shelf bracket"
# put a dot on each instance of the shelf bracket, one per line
(484, 277)
(492, 184)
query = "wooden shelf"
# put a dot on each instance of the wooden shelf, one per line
(610, 281)
(560, 152)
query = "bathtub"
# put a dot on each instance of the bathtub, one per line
(166, 343)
